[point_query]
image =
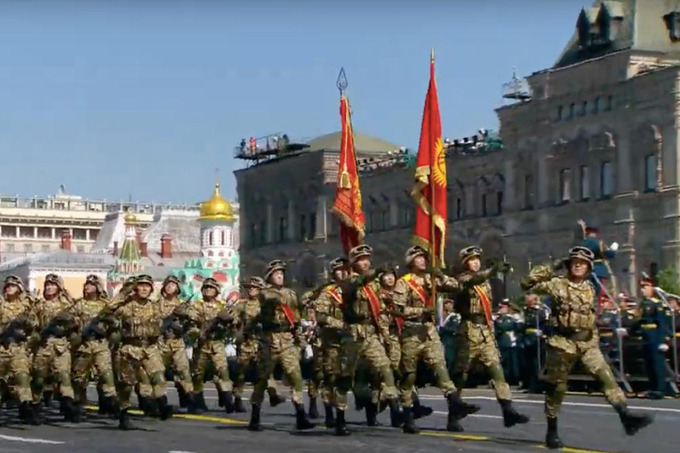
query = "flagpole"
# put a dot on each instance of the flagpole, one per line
(433, 252)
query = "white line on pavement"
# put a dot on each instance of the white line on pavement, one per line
(31, 440)
(567, 403)
(180, 451)
(472, 415)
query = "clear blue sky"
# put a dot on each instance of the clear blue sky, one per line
(146, 99)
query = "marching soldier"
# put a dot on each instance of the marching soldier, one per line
(655, 335)
(361, 313)
(53, 356)
(329, 315)
(313, 341)
(507, 326)
(139, 355)
(535, 317)
(211, 346)
(419, 337)
(477, 340)
(574, 337)
(173, 350)
(17, 322)
(92, 347)
(279, 343)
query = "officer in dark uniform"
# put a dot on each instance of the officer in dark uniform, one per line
(655, 334)
(507, 326)
(608, 325)
(448, 332)
(535, 316)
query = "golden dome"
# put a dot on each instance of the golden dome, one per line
(217, 208)
(130, 218)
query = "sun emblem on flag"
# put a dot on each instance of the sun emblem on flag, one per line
(439, 163)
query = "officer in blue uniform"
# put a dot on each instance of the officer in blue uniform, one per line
(653, 327)
(448, 332)
(603, 254)
(507, 326)
(535, 317)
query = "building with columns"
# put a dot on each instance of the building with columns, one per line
(594, 137)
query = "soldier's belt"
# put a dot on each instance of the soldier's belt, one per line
(677, 334)
(606, 334)
(531, 330)
(140, 341)
(648, 326)
(575, 335)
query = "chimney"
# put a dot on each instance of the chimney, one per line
(144, 249)
(66, 240)
(115, 248)
(166, 246)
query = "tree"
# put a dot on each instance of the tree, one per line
(669, 280)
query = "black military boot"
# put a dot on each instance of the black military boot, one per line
(36, 419)
(182, 395)
(301, 421)
(71, 410)
(396, 416)
(29, 414)
(101, 403)
(510, 416)
(47, 398)
(313, 410)
(409, 424)
(274, 398)
(552, 439)
(124, 421)
(200, 402)
(632, 422)
(254, 424)
(340, 424)
(460, 408)
(192, 406)
(164, 409)
(330, 417)
(372, 415)
(453, 424)
(221, 397)
(108, 405)
(229, 402)
(419, 411)
(239, 408)
(152, 409)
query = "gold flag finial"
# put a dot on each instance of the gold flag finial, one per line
(432, 55)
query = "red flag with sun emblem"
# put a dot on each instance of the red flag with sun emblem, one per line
(430, 187)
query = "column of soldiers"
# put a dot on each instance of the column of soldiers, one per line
(371, 332)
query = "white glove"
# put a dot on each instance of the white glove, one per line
(308, 354)
(539, 333)
(663, 347)
(614, 247)
(622, 332)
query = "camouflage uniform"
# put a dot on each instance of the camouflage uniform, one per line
(17, 320)
(173, 350)
(279, 343)
(211, 347)
(52, 358)
(574, 338)
(362, 338)
(419, 337)
(312, 338)
(138, 355)
(92, 349)
(477, 340)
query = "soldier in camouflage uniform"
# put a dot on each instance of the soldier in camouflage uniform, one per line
(280, 342)
(574, 338)
(139, 355)
(52, 360)
(211, 346)
(477, 340)
(362, 338)
(92, 346)
(419, 337)
(172, 347)
(17, 321)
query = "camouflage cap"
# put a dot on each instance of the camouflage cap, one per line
(360, 251)
(171, 279)
(54, 279)
(414, 252)
(472, 251)
(254, 282)
(273, 266)
(144, 279)
(13, 280)
(211, 283)
(338, 263)
(94, 280)
(581, 253)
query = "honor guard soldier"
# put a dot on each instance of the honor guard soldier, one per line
(52, 360)
(533, 347)
(448, 331)
(17, 322)
(507, 326)
(361, 313)
(139, 355)
(656, 335)
(280, 341)
(92, 348)
(477, 340)
(419, 337)
(574, 338)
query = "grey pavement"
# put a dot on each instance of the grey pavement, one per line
(587, 424)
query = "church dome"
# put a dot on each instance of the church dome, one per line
(217, 208)
(130, 218)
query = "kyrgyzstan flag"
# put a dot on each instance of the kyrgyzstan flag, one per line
(347, 205)
(430, 185)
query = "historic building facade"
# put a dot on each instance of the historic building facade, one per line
(595, 137)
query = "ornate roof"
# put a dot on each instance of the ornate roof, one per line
(364, 144)
(217, 207)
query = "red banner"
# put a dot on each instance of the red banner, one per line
(347, 205)
(430, 185)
